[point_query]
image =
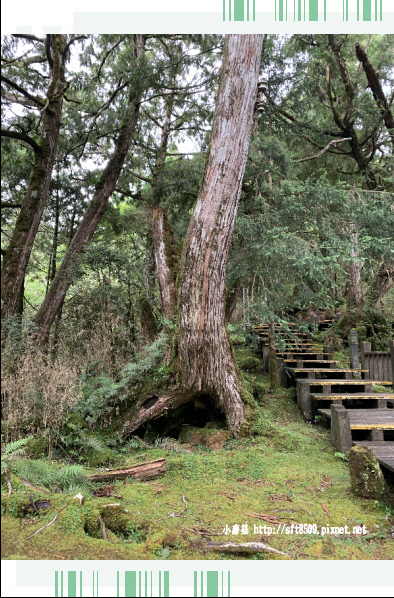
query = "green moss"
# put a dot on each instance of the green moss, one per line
(281, 463)
(365, 474)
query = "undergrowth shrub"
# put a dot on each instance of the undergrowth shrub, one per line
(36, 394)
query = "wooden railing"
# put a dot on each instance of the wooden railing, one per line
(379, 363)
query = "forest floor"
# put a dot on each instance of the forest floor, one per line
(288, 473)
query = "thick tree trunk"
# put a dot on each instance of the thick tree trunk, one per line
(381, 284)
(104, 189)
(205, 357)
(204, 362)
(377, 90)
(19, 249)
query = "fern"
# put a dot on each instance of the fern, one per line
(99, 402)
(16, 448)
(69, 478)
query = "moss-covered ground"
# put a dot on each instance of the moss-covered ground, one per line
(288, 471)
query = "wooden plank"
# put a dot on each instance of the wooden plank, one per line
(349, 396)
(327, 382)
(384, 452)
(367, 419)
(324, 370)
(311, 360)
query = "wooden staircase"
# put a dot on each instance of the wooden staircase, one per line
(357, 413)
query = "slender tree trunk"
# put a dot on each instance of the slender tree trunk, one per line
(205, 364)
(104, 189)
(166, 251)
(148, 320)
(19, 249)
(166, 256)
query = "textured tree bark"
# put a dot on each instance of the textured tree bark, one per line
(142, 471)
(377, 90)
(166, 254)
(205, 357)
(19, 249)
(147, 317)
(166, 257)
(204, 361)
(104, 189)
(381, 284)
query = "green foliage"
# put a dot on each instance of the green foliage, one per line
(69, 478)
(10, 451)
(100, 393)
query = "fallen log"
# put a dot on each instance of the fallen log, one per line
(247, 547)
(140, 472)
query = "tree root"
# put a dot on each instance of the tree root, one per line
(44, 527)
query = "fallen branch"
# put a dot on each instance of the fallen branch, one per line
(44, 527)
(233, 547)
(30, 485)
(175, 514)
(142, 471)
(202, 532)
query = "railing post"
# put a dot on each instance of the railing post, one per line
(365, 348)
(353, 349)
(391, 348)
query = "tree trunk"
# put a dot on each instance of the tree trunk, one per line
(381, 284)
(377, 90)
(204, 361)
(19, 249)
(148, 320)
(104, 189)
(205, 357)
(166, 256)
(166, 251)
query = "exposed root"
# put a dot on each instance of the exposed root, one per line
(44, 527)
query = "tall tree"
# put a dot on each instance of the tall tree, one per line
(204, 359)
(106, 185)
(20, 246)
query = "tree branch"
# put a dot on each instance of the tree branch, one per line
(22, 91)
(332, 142)
(21, 137)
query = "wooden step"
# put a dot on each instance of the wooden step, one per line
(367, 419)
(303, 354)
(334, 396)
(384, 451)
(330, 382)
(326, 371)
(311, 360)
